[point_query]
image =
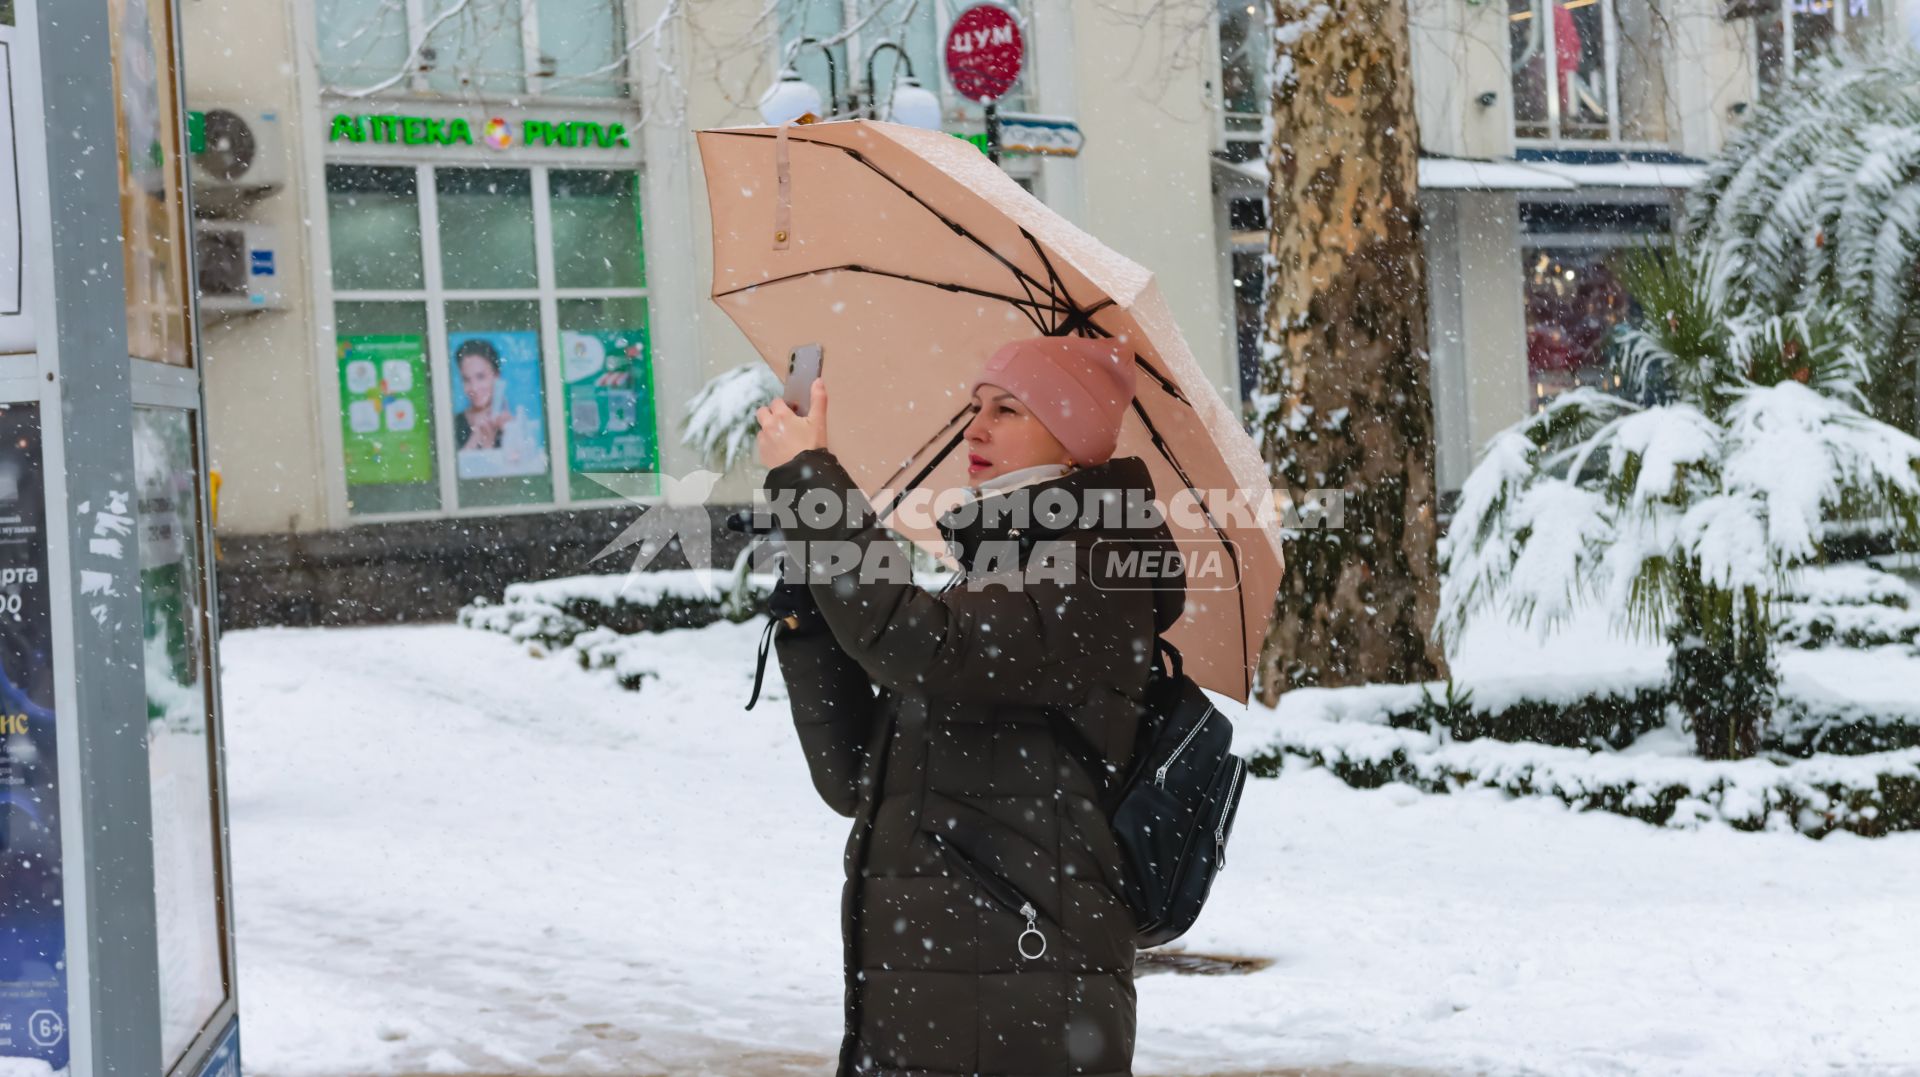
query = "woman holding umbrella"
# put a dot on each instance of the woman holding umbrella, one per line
(971, 733)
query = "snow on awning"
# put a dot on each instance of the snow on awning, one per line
(1626, 173)
(1456, 173)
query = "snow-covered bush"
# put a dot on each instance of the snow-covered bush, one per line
(1871, 795)
(555, 612)
(719, 423)
(1684, 517)
(1814, 205)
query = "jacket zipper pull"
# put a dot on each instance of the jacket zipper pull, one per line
(1026, 910)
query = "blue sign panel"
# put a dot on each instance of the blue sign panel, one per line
(33, 945)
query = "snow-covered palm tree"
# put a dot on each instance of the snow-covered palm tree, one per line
(1814, 204)
(720, 421)
(1683, 517)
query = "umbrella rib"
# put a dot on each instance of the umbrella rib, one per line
(1226, 543)
(1052, 275)
(959, 229)
(1011, 300)
(1169, 387)
(921, 475)
(1166, 384)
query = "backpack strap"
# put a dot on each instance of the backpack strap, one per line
(1113, 784)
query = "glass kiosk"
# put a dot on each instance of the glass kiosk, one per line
(116, 949)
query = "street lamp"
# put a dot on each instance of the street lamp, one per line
(788, 99)
(791, 97)
(910, 103)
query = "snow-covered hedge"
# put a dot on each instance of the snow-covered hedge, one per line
(554, 613)
(1869, 795)
(1848, 605)
(1610, 716)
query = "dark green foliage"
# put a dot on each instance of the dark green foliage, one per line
(1890, 805)
(1596, 722)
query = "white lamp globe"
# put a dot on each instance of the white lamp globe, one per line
(788, 99)
(915, 105)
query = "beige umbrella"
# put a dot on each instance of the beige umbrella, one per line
(910, 257)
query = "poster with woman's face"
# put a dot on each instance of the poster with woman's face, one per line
(499, 417)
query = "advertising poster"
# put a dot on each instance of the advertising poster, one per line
(610, 421)
(33, 987)
(386, 406)
(499, 417)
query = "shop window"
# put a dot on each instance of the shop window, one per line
(486, 227)
(1573, 299)
(186, 857)
(499, 403)
(607, 370)
(373, 225)
(386, 407)
(1586, 71)
(1244, 54)
(510, 375)
(1573, 303)
(588, 209)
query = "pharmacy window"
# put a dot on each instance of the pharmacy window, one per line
(1587, 71)
(474, 48)
(492, 336)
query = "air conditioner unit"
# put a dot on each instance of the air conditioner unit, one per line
(236, 152)
(238, 267)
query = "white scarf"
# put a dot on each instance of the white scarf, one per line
(1026, 476)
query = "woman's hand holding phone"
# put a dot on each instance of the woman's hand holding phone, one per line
(785, 435)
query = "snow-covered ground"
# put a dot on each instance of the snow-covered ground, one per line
(453, 857)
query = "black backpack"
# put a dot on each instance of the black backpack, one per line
(1172, 811)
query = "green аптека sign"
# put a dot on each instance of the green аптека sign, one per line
(496, 132)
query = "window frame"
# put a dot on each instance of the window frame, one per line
(418, 18)
(1556, 137)
(1837, 14)
(434, 296)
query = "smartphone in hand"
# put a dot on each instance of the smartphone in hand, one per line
(802, 372)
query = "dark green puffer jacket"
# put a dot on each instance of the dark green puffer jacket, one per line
(933, 721)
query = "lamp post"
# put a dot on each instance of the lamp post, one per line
(791, 97)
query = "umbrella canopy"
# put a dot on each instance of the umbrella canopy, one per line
(910, 257)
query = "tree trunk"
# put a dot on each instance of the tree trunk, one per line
(1721, 670)
(1346, 367)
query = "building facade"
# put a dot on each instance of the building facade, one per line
(468, 253)
(476, 259)
(1554, 133)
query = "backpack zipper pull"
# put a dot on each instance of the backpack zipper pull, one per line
(1026, 910)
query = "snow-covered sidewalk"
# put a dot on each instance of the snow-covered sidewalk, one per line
(453, 857)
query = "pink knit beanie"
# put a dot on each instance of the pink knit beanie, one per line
(1078, 387)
